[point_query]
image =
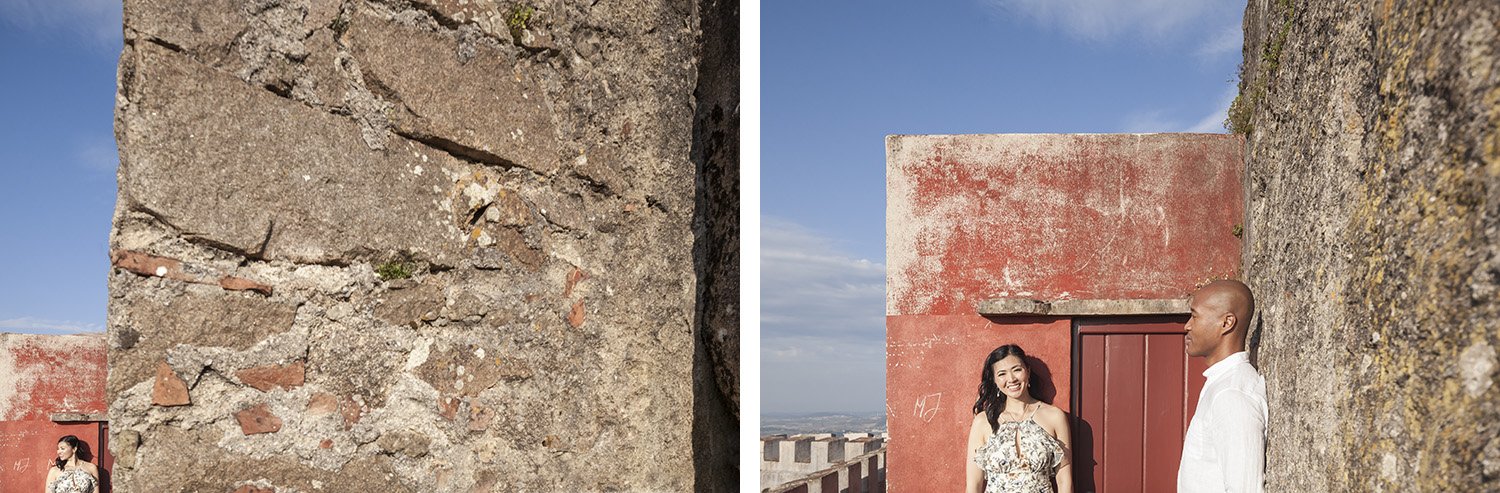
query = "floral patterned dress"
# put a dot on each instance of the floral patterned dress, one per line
(1021, 457)
(72, 481)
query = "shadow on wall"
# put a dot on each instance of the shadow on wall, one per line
(1084, 460)
(1045, 390)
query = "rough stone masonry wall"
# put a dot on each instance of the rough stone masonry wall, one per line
(429, 245)
(1373, 240)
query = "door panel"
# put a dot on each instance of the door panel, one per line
(1165, 388)
(1135, 392)
(1124, 391)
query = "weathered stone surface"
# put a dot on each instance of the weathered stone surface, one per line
(467, 98)
(253, 489)
(199, 465)
(257, 419)
(1372, 241)
(468, 371)
(411, 445)
(405, 306)
(265, 378)
(301, 187)
(169, 389)
(206, 315)
(417, 185)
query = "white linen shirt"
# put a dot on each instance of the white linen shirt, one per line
(1225, 447)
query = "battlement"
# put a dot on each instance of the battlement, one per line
(823, 462)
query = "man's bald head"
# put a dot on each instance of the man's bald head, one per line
(1228, 296)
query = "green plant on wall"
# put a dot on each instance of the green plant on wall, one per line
(1242, 110)
(393, 270)
(520, 16)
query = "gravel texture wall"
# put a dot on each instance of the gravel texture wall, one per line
(430, 245)
(1373, 240)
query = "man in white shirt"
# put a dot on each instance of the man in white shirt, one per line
(1225, 447)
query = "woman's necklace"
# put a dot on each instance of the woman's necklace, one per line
(1019, 416)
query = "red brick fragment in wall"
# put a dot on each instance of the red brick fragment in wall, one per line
(147, 265)
(448, 407)
(258, 419)
(573, 278)
(575, 316)
(352, 410)
(168, 390)
(241, 284)
(320, 404)
(265, 378)
(327, 443)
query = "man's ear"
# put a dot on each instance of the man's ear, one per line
(1227, 324)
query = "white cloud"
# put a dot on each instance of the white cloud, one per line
(98, 154)
(1156, 120)
(1098, 20)
(1212, 27)
(1230, 39)
(96, 21)
(822, 323)
(1213, 122)
(1151, 121)
(32, 325)
(808, 286)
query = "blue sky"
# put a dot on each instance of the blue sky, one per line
(57, 155)
(840, 75)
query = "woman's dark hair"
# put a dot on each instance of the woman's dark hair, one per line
(72, 441)
(990, 400)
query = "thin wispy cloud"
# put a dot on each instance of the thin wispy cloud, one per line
(1157, 120)
(1229, 39)
(98, 155)
(1099, 20)
(1213, 122)
(1149, 121)
(809, 286)
(822, 323)
(32, 325)
(92, 22)
(1209, 29)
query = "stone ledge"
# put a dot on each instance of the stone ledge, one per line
(1017, 306)
(76, 417)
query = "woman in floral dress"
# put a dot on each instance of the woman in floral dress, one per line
(1017, 444)
(69, 474)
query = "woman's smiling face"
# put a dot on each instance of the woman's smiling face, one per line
(64, 451)
(1012, 376)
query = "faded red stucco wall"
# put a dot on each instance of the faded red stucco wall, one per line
(42, 375)
(1047, 217)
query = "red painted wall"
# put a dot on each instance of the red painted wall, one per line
(1048, 217)
(41, 375)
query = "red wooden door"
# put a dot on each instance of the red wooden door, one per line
(1135, 391)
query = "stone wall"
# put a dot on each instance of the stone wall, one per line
(1372, 186)
(716, 150)
(432, 245)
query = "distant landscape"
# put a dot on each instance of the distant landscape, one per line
(794, 423)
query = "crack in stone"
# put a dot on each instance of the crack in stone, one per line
(462, 152)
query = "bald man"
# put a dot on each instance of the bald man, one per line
(1225, 447)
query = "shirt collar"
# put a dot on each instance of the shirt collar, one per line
(1223, 366)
